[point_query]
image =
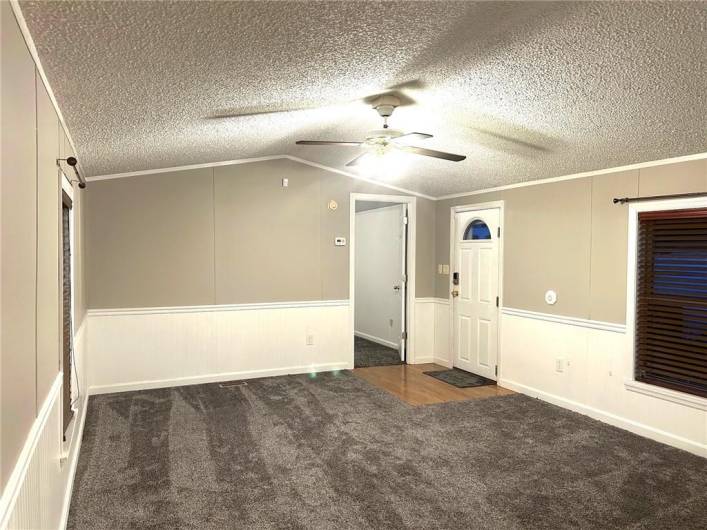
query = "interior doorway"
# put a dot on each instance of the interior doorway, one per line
(476, 288)
(380, 280)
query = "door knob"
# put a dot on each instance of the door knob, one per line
(396, 287)
(455, 293)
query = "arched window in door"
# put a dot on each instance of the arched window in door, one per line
(477, 229)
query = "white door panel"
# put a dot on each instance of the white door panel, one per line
(475, 311)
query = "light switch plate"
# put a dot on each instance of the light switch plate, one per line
(445, 269)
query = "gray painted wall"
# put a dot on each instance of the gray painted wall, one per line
(233, 234)
(225, 235)
(30, 206)
(19, 258)
(569, 236)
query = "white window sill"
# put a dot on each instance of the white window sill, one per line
(666, 394)
(70, 435)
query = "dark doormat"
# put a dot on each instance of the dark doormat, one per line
(460, 378)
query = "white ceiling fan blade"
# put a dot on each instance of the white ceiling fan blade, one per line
(361, 158)
(411, 137)
(431, 152)
(325, 142)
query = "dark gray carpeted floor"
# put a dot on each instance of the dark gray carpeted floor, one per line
(334, 452)
(368, 353)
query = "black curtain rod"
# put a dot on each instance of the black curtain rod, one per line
(624, 200)
(72, 162)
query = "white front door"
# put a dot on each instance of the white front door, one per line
(475, 291)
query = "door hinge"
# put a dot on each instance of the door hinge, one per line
(404, 335)
(404, 279)
(497, 300)
(496, 371)
(499, 231)
(405, 220)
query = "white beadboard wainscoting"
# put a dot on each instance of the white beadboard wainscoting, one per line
(596, 376)
(133, 349)
(431, 331)
(38, 492)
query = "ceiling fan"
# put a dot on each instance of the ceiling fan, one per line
(382, 141)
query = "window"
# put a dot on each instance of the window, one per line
(67, 324)
(671, 300)
(477, 229)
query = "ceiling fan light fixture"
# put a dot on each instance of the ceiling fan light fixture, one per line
(381, 148)
(381, 142)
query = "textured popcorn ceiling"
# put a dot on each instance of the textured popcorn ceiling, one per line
(525, 90)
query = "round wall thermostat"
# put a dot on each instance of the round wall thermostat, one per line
(551, 297)
(333, 205)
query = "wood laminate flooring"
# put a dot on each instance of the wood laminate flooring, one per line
(410, 384)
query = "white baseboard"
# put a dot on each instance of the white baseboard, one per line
(422, 360)
(73, 460)
(443, 362)
(607, 417)
(377, 340)
(217, 378)
(430, 360)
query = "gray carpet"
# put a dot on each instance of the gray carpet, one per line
(368, 353)
(334, 452)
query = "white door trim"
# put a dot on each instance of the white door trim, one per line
(454, 210)
(411, 202)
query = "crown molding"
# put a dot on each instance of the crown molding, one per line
(252, 160)
(617, 169)
(172, 169)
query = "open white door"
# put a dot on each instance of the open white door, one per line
(380, 276)
(475, 291)
(403, 280)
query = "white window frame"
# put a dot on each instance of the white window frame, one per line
(67, 187)
(630, 382)
(469, 225)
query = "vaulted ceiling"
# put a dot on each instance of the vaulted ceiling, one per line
(525, 90)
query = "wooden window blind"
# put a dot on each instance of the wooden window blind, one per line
(671, 303)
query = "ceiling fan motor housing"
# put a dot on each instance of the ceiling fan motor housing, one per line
(385, 105)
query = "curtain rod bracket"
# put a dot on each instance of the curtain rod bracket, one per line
(72, 162)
